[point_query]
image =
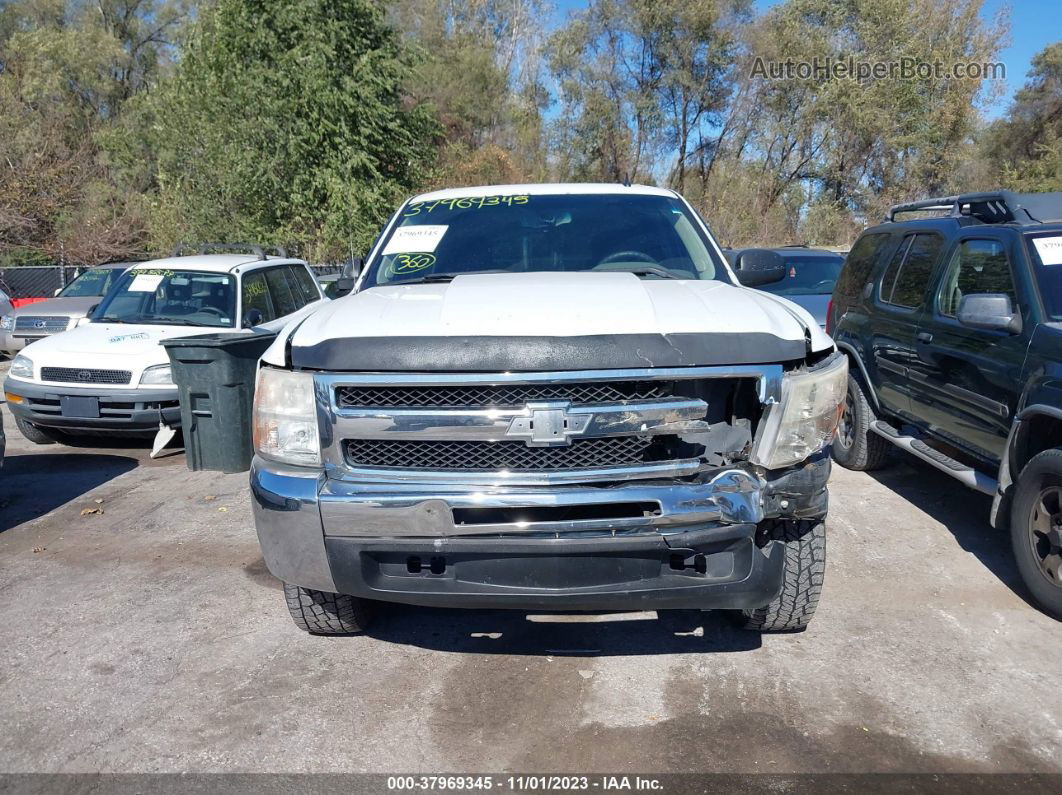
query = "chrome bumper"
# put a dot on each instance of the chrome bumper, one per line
(296, 510)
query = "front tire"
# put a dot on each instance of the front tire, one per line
(1036, 530)
(802, 576)
(856, 446)
(33, 433)
(323, 613)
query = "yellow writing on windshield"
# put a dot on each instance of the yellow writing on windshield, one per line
(467, 203)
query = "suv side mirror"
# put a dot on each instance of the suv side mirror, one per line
(349, 275)
(759, 266)
(252, 318)
(992, 311)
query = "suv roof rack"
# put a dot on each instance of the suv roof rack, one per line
(992, 207)
(216, 248)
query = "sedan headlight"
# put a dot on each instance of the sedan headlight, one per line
(806, 418)
(159, 375)
(285, 417)
(21, 367)
(7, 322)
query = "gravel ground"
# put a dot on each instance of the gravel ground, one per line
(147, 636)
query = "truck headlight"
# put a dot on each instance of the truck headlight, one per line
(806, 418)
(285, 417)
(21, 367)
(159, 375)
(7, 322)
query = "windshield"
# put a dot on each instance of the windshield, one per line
(807, 275)
(91, 283)
(1046, 255)
(654, 236)
(166, 297)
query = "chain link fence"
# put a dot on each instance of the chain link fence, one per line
(36, 281)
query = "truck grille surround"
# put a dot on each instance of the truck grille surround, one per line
(497, 456)
(589, 426)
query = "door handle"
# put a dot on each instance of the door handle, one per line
(925, 336)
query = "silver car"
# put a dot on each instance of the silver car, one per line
(807, 280)
(71, 305)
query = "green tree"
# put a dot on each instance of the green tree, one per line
(1024, 148)
(67, 69)
(285, 123)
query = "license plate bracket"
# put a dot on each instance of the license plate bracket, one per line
(78, 406)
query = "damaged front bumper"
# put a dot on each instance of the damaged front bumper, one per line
(668, 543)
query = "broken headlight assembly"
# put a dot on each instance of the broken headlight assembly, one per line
(805, 419)
(285, 417)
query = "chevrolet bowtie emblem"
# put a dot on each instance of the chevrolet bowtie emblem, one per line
(548, 424)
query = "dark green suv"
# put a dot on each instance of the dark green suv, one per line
(953, 325)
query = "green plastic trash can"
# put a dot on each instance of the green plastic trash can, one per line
(215, 374)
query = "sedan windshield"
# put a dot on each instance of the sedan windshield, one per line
(651, 236)
(166, 297)
(807, 275)
(91, 283)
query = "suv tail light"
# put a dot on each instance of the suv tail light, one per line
(829, 314)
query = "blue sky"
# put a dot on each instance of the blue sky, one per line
(1033, 25)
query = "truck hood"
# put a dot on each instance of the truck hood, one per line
(570, 314)
(68, 307)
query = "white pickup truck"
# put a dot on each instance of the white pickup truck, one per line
(547, 397)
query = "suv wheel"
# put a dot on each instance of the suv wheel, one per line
(323, 613)
(802, 575)
(1036, 529)
(33, 433)
(856, 446)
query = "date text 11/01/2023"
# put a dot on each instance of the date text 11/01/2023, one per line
(539, 783)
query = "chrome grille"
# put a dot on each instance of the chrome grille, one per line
(78, 375)
(508, 395)
(40, 324)
(515, 456)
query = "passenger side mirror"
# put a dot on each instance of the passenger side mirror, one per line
(348, 276)
(759, 266)
(252, 318)
(992, 311)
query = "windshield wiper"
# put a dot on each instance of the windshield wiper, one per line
(169, 321)
(438, 277)
(109, 319)
(648, 270)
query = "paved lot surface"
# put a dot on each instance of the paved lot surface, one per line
(150, 637)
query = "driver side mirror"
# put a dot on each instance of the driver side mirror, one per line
(992, 311)
(759, 266)
(348, 276)
(252, 318)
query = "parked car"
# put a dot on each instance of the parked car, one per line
(6, 308)
(953, 326)
(547, 397)
(328, 284)
(112, 375)
(69, 308)
(808, 277)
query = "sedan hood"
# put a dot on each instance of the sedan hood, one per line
(68, 307)
(532, 321)
(117, 346)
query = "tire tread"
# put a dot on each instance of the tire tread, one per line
(803, 575)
